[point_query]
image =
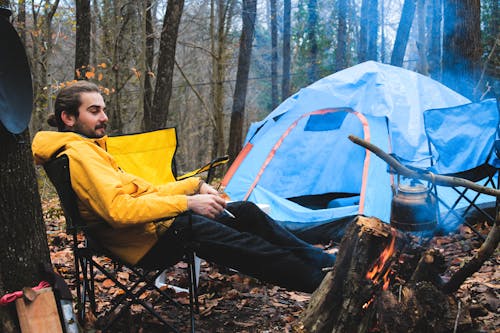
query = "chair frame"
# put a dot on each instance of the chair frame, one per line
(58, 172)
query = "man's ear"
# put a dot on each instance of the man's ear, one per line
(68, 119)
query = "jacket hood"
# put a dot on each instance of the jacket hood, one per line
(47, 143)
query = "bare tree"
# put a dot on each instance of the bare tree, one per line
(423, 68)
(82, 48)
(312, 23)
(341, 51)
(21, 20)
(221, 16)
(363, 31)
(41, 53)
(166, 62)
(462, 45)
(403, 33)
(285, 84)
(274, 55)
(372, 29)
(434, 38)
(149, 58)
(237, 115)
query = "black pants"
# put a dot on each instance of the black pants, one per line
(251, 243)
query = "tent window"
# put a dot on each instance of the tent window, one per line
(325, 122)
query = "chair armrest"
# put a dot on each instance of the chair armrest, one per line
(207, 167)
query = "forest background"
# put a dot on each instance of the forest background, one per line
(211, 67)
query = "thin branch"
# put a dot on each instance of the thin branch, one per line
(198, 95)
(485, 65)
(194, 46)
(485, 251)
(423, 174)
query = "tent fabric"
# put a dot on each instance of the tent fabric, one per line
(301, 148)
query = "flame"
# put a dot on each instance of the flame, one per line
(367, 304)
(377, 269)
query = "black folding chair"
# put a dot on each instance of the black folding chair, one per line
(462, 144)
(85, 262)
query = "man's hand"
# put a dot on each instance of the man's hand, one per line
(209, 205)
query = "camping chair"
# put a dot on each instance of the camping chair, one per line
(151, 155)
(462, 144)
(85, 262)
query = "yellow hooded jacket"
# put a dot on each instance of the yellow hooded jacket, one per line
(127, 203)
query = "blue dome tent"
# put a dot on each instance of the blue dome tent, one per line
(300, 161)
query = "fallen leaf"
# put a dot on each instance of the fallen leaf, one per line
(108, 283)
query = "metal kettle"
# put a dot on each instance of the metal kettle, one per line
(413, 208)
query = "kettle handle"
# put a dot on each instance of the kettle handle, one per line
(394, 186)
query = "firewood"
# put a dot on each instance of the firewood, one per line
(430, 266)
(372, 289)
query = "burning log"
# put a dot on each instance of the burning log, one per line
(490, 244)
(383, 281)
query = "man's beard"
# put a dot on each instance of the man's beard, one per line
(91, 134)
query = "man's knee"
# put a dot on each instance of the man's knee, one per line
(244, 207)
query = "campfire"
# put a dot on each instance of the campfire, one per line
(383, 281)
(387, 279)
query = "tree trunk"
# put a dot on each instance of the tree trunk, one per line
(312, 23)
(220, 25)
(422, 40)
(434, 39)
(363, 31)
(21, 20)
(383, 42)
(82, 46)
(398, 53)
(462, 45)
(240, 90)
(42, 51)
(23, 241)
(285, 84)
(166, 62)
(274, 55)
(372, 30)
(149, 59)
(341, 51)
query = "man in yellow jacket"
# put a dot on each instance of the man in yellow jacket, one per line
(121, 208)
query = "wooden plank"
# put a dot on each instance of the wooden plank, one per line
(39, 316)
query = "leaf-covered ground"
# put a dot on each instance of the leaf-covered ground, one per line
(231, 302)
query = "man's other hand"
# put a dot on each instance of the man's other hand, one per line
(209, 205)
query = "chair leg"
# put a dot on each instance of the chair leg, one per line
(193, 290)
(78, 285)
(193, 283)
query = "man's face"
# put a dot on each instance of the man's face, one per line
(92, 120)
